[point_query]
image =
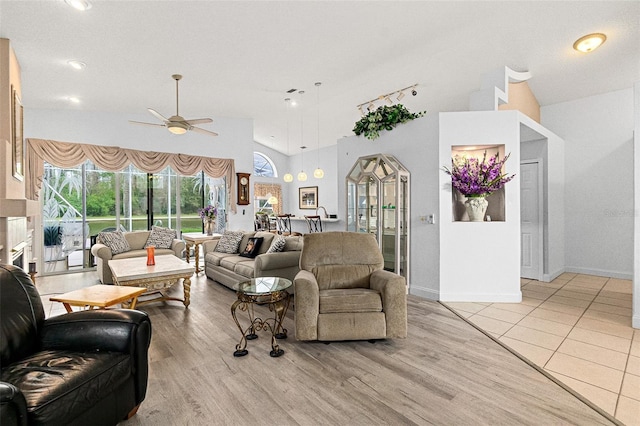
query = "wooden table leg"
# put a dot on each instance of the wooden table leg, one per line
(186, 252)
(134, 302)
(196, 255)
(67, 307)
(186, 284)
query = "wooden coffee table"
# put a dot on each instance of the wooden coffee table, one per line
(158, 278)
(99, 296)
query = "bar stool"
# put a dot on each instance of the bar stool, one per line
(314, 223)
(283, 224)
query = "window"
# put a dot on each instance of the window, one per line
(267, 197)
(263, 166)
(80, 202)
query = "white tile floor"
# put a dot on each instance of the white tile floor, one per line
(578, 328)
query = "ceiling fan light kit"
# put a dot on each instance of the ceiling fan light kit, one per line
(177, 124)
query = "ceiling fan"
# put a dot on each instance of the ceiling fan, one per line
(176, 124)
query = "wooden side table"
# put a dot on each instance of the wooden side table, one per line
(99, 296)
(194, 239)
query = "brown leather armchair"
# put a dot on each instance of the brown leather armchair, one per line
(342, 292)
(81, 368)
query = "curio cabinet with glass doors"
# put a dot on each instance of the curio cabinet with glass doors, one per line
(378, 202)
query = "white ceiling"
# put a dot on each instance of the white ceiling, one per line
(239, 58)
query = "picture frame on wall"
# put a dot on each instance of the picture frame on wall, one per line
(308, 198)
(17, 139)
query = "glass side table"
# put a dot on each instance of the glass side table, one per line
(271, 291)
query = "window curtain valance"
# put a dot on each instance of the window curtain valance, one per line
(113, 159)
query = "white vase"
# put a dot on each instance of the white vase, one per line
(476, 208)
(209, 225)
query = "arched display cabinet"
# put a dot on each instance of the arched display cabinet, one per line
(378, 202)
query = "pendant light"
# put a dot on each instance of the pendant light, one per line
(302, 176)
(288, 177)
(318, 173)
(271, 198)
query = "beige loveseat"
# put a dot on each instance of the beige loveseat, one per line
(136, 240)
(229, 269)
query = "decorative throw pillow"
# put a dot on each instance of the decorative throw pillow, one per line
(115, 241)
(277, 245)
(229, 242)
(160, 237)
(252, 248)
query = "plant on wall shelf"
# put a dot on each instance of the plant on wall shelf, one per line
(476, 178)
(384, 118)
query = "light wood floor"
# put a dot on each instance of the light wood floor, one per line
(446, 372)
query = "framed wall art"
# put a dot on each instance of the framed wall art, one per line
(308, 197)
(17, 140)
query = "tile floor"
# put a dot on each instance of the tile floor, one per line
(578, 328)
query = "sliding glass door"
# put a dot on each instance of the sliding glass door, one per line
(80, 202)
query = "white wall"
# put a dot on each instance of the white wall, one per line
(235, 139)
(327, 186)
(598, 134)
(480, 261)
(415, 145)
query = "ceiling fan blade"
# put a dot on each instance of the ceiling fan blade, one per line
(146, 124)
(158, 115)
(203, 131)
(199, 121)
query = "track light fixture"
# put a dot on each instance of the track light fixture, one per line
(370, 105)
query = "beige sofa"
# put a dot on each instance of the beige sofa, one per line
(136, 240)
(229, 269)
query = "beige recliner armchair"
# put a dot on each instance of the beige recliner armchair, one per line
(342, 292)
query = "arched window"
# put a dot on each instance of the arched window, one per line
(263, 166)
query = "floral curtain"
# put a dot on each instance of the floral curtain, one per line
(264, 190)
(113, 158)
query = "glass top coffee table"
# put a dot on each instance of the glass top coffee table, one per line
(271, 291)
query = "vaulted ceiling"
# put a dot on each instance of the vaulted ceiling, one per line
(239, 58)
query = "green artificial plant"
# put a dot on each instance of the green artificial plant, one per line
(383, 118)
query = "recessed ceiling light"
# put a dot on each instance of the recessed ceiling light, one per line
(589, 43)
(73, 99)
(78, 65)
(79, 4)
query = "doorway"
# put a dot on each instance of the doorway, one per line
(531, 216)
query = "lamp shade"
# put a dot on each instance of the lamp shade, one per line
(288, 178)
(318, 173)
(302, 176)
(177, 128)
(272, 200)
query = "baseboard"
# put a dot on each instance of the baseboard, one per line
(600, 272)
(427, 293)
(482, 297)
(547, 278)
(635, 321)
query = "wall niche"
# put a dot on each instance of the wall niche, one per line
(496, 201)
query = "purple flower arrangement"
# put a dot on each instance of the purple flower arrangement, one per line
(209, 212)
(475, 178)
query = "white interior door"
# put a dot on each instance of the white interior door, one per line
(530, 218)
